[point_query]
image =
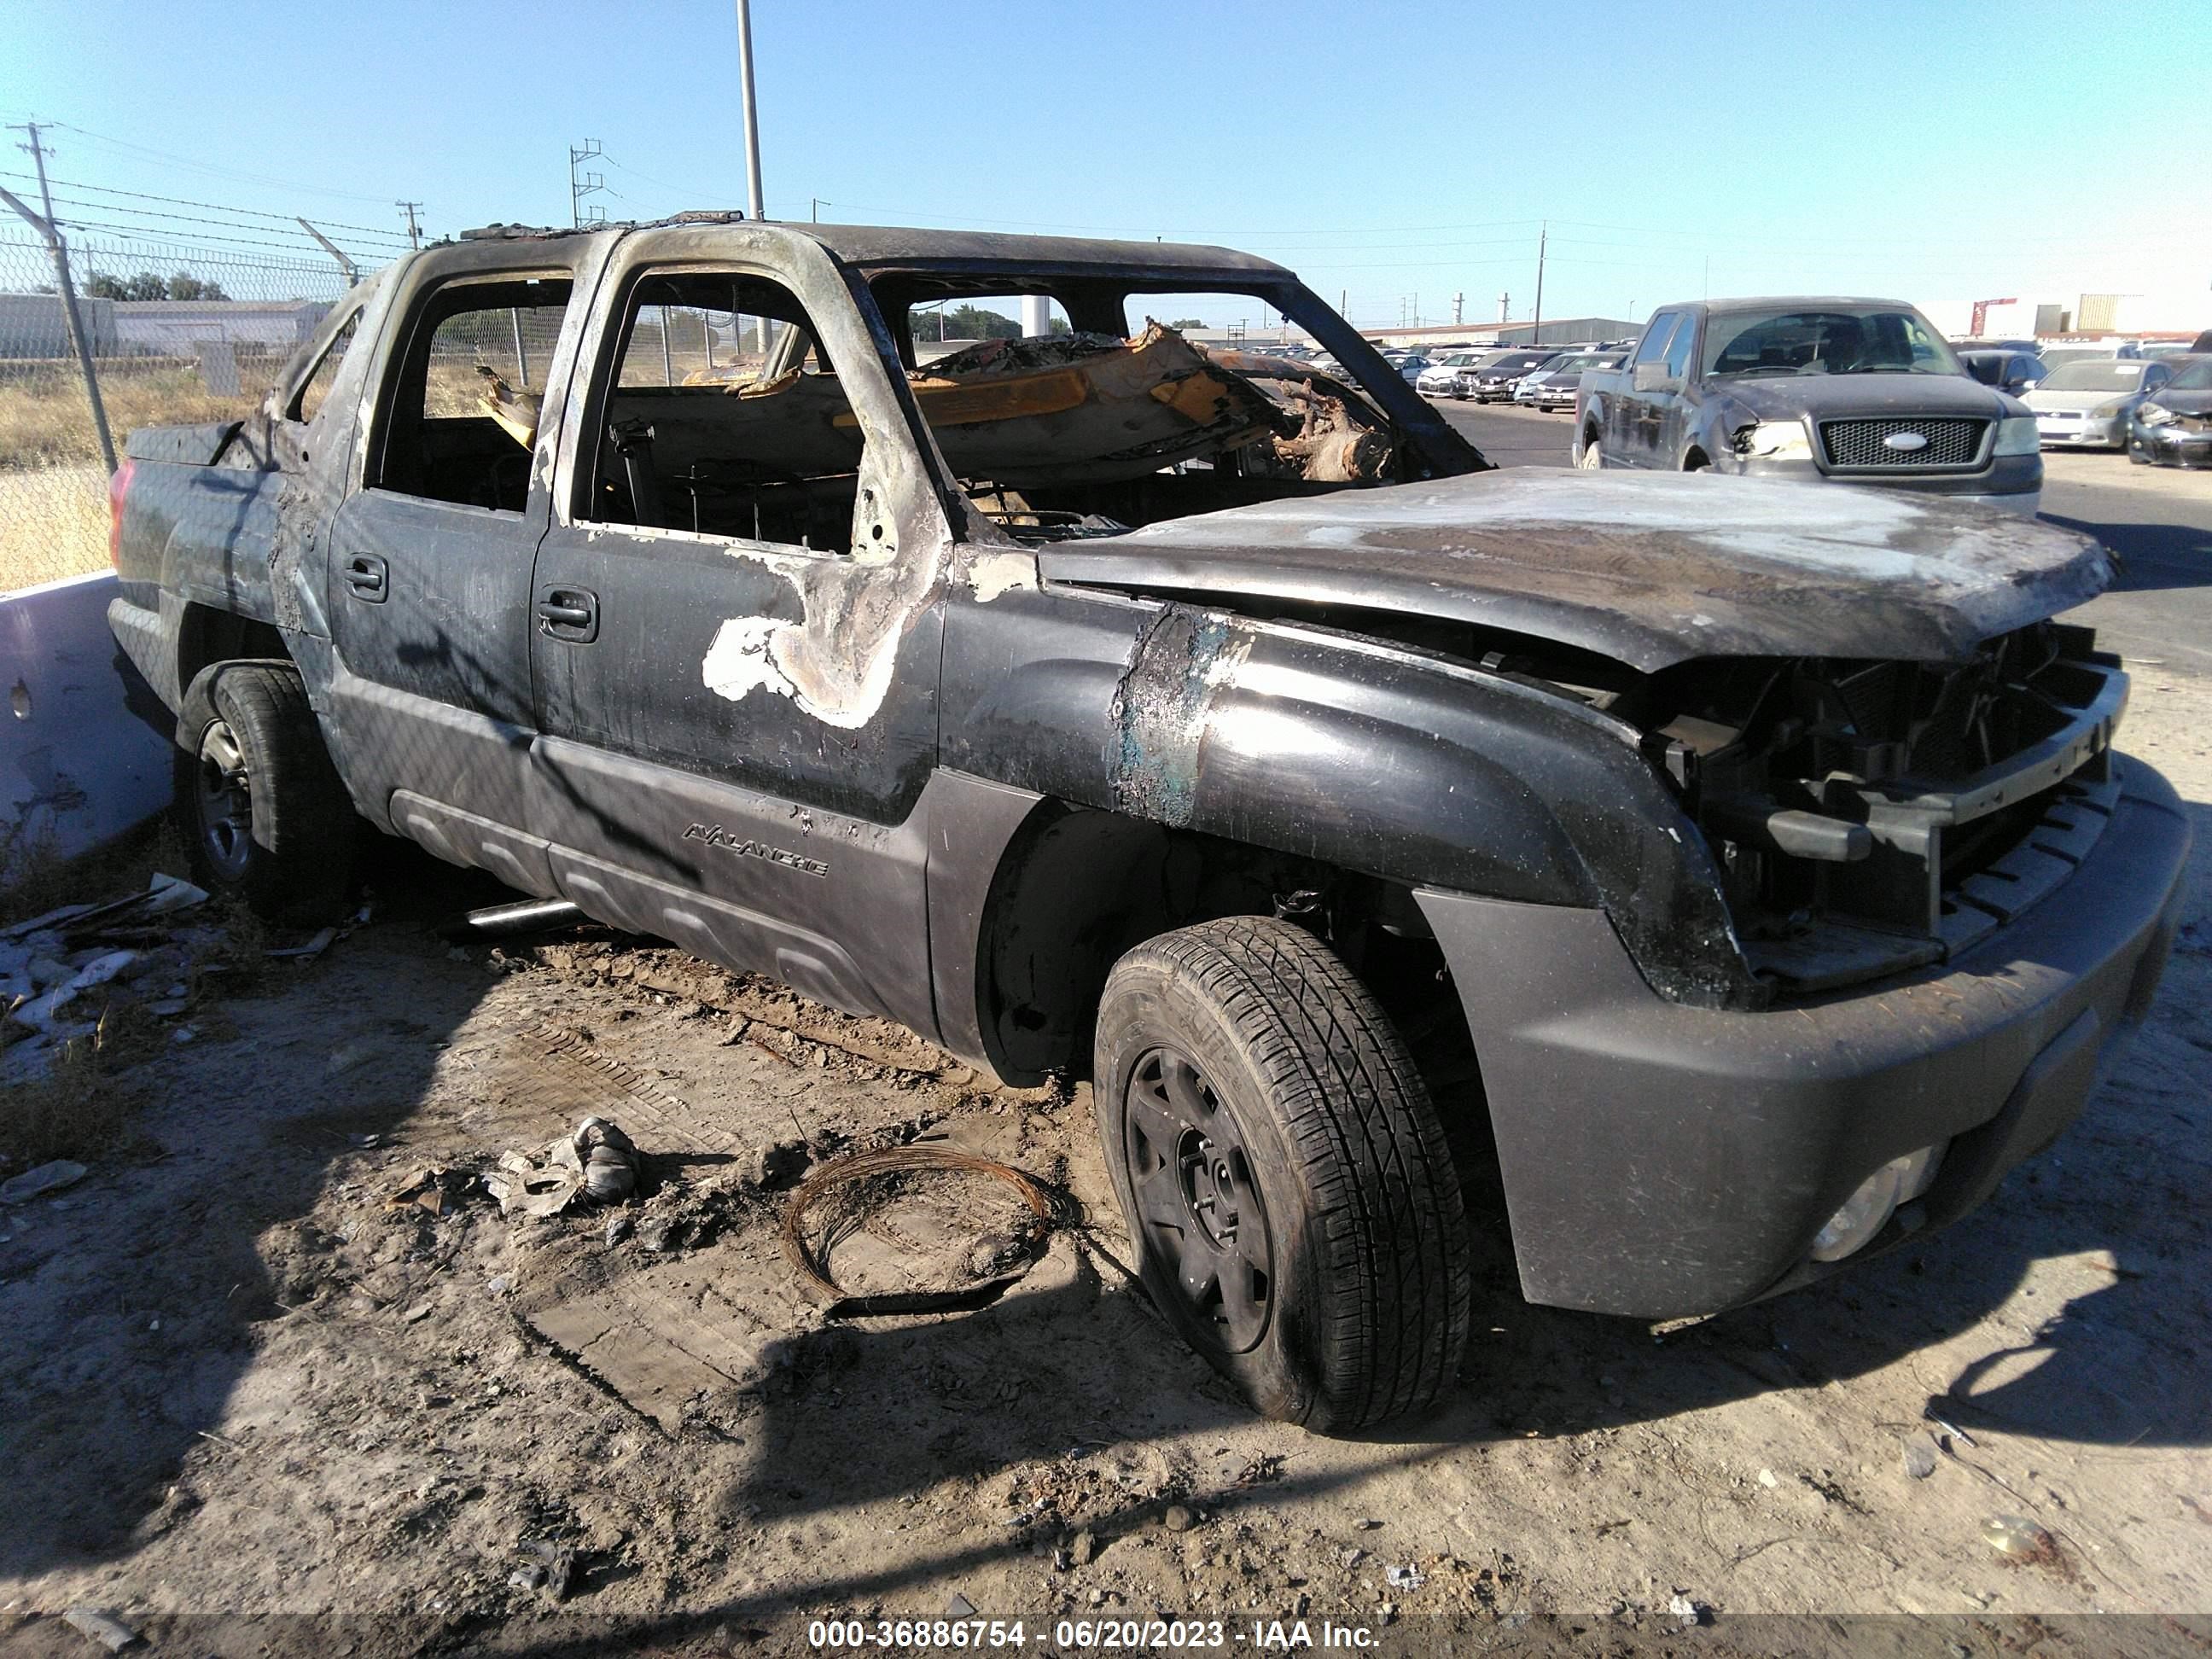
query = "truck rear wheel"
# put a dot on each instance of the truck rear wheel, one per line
(257, 796)
(1285, 1179)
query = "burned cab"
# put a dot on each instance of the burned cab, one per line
(1746, 870)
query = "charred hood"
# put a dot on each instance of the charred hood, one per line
(1649, 569)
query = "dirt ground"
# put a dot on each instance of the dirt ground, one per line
(274, 1385)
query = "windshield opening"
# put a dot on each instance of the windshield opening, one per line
(1874, 340)
(1142, 398)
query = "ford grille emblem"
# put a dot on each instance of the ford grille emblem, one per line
(1906, 441)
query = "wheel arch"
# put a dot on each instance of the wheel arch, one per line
(207, 634)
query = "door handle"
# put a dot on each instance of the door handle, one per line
(368, 577)
(568, 613)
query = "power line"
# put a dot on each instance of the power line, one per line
(216, 207)
(188, 164)
(187, 218)
(184, 239)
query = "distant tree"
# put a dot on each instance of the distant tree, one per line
(1057, 325)
(979, 323)
(151, 285)
(1188, 322)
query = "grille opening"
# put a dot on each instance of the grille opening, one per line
(1863, 443)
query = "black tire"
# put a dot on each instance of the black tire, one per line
(1242, 1075)
(257, 797)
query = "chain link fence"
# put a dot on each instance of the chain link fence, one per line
(178, 335)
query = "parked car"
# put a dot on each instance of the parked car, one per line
(1524, 391)
(1554, 385)
(2174, 427)
(1443, 376)
(2087, 403)
(1850, 391)
(1217, 785)
(2056, 356)
(2017, 373)
(1410, 368)
(1494, 382)
(1559, 387)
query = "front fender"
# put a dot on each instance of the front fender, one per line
(1373, 758)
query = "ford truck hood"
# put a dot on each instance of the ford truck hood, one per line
(1648, 568)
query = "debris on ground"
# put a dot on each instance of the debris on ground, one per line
(2016, 1536)
(1919, 1456)
(46, 1178)
(104, 1628)
(551, 1566)
(870, 1177)
(1405, 1577)
(596, 1162)
(1687, 1611)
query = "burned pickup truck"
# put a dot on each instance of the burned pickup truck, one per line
(1744, 870)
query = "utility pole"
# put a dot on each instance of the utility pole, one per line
(1505, 307)
(414, 230)
(818, 202)
(1459, 305)
(1543, 237)
(46, 229)
(752, 112)
(586, 183)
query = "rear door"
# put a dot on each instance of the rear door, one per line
(428, 575)
(738, 624)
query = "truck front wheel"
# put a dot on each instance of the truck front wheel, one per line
(257, 796)
(1285, 1179)
(1593, 456)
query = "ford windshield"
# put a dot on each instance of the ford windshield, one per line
(1870, 340)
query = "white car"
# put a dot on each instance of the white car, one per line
(1441, 379)
(2087, 403)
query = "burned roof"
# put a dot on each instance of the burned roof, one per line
(906, 247)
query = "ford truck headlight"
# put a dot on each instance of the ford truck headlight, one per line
(2017, 435)
(1777, 441)
(2154, 415)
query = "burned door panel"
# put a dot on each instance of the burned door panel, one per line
(737, 653)
(428, 575)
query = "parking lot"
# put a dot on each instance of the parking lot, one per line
(283, 1356)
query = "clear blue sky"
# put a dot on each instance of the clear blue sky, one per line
(1928, 150)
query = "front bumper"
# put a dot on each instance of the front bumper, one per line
(1663, 1161)
(2014, 482)
(2058, 431)
(2170, 446)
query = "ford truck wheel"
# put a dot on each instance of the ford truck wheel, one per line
(257, 797)
(1285, 1179)
(1593, 457)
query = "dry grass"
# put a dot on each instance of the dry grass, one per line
(54, 492)
(53, 523)
(84, 1107)
(45, 420)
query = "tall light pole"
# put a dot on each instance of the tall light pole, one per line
(752, 112)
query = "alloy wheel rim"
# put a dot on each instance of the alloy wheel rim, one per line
(1198, 1201)
(226, 801)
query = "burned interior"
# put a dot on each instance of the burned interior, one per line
(724, 414)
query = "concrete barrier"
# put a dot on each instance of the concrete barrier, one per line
(84, 750)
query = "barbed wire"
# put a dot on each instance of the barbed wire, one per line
(286, 219)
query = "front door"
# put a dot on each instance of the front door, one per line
(1634, 428)
(737, 627)
(430, 565)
